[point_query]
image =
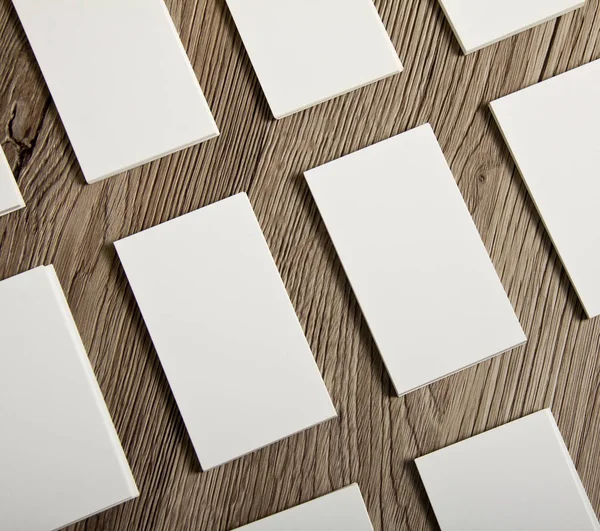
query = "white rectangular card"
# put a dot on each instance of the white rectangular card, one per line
(306, 52)
(342, 510)
(517, 477)
(10, 196)
(60, 456)
(120, 78)
(225, 331)
(552, 132)
(418, 267)
(479, 23)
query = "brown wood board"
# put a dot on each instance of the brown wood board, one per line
(377, 436)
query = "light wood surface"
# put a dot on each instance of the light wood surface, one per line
(377, 436)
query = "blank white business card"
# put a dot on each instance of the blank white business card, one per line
(10, 196)
(418, 267)
(60, 456)
(342, 510)
(120, 78)
(479, 23)
(306, 52)
(552, 132)
(225, 331)
(518, 476)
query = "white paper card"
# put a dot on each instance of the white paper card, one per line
(519, 477)
(479, 23)
(418, 267)
(10, 196)
(306, 52)
(552, 132)
(60, 456)
(342, 510)
(120, 78)
(225, 331)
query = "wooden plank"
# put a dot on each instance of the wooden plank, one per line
(377, 436)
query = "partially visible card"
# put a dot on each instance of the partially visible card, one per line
(479, 23)
(342, 510)
(518, 476)
(309, 51)
(552, 132)
(60, 456)
(10, 196)
(120, 78)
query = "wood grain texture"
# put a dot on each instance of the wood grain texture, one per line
(377, 436)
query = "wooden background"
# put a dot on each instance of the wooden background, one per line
(377, 436)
